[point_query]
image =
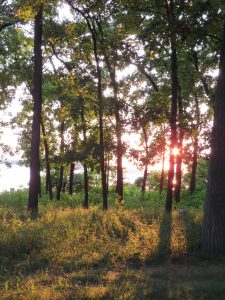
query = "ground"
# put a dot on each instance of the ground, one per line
(132, 252)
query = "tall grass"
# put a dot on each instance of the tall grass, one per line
(67, 252)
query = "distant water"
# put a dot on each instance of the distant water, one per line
(17, 176)
(14, 177)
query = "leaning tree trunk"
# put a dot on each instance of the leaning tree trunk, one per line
(48, 184)
(213, 226)
(60, 182)
(34, 186)
(173, 118)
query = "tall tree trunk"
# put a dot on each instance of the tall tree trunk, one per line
(194, 167)
(94, 35)
(119, 155)
(48, 185)
(60, 182)
(34, 185)
(161, 186)
(143, 186)
(119, 147)
(101, 128)
(173, 118)
(72, 166)
(107, 172)
(85, 204)
(179, 157)
(195, 152)
(85, 186)
(213, 226)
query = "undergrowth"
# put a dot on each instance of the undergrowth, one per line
(67, 252)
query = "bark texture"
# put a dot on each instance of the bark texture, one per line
(72, 166)
(195, 152)
(34, 186)
(173, 119)
(213, 227)
(85, 204)
(48, 183)
(59, 187)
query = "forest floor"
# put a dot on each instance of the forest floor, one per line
(131, 252)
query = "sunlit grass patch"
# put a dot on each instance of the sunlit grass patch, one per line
(67, 252)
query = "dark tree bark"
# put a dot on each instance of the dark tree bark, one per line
(213, 226)
(173, 118)
(162, 176)
(119, 152)
(195, 151)
(85, 186)
(60, 182)
(34, 185)
(72, 166)
(48, 183)
(101, 129)
(85, 204)
(143, 186)
(179, 157)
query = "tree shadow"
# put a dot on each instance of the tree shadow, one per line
(164, 247)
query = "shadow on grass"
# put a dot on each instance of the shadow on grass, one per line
(164, 248)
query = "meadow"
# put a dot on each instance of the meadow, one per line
(134, 251)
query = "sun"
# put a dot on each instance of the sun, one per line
(175, 151)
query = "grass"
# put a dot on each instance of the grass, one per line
(131, 252)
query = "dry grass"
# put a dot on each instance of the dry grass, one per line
(72, 253)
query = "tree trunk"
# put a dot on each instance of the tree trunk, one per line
(213, 226)
(60, 182)
(85, 204)
(119, 147)
(194, 167)
(107, 173)
(72, 166)
(161, 186)
(195, 152)
(85, 186)
(179, 157)
(34, 185)
(101, 129)
(173, 119)
(94, 35)
(143, 186)
(119, 155)
(48, 184)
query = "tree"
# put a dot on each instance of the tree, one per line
(34, 185)
(213, 225)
